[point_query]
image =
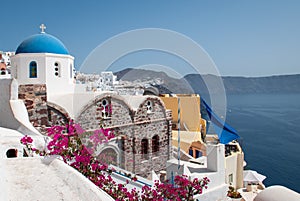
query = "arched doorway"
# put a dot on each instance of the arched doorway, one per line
(108, 156)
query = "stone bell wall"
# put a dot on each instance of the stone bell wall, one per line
(35, 100)
(41, 113)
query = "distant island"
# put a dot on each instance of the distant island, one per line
(194, 83)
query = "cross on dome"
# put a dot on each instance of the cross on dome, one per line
(42, 27)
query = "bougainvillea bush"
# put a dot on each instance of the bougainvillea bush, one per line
(78, 147)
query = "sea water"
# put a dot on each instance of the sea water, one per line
(269, 127)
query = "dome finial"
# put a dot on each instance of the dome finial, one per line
(42, 27)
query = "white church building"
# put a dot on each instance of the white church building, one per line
(42, 92)
(43, 59)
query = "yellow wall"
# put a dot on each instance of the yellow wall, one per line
(190, 116)
(171, 104)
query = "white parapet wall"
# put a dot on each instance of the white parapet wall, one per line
(45, 179)
(7, 118)
(213, 168)
(13, 113)
(10, 139)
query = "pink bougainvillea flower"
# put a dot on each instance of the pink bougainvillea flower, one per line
(26, 140)
(67, 142)
(79, 129)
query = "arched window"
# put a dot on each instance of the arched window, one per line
(133, 146)
(105, 108)
(121, 143)
(12, 153)
(149, 105)
(144, 148)
(155, 144)
(33, 70)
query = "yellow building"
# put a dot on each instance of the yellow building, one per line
(193, 135)
(190, 116)
(192, 126)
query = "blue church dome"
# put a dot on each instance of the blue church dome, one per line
(42, 43)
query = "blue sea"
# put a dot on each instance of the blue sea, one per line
(269, 127)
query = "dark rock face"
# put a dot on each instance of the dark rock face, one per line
(195, 83)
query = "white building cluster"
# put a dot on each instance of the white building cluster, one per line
(5, 64)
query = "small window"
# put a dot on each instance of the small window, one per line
(33, 69)
(122, 143)
(149, 105)
(57, 69)
(155, 144)
(191, 152)
(198, 153)
(104, 102)
(105, 107)
(71, 71)
(230, 178)
(133, 146)
(144, 148)
(12, 153)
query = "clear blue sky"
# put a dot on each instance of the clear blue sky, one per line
(249, 38)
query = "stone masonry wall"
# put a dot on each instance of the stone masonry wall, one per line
(57, 115)
(41, 113)
(147, 125)
(91, 118)
(35, 99)
(131, 127)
